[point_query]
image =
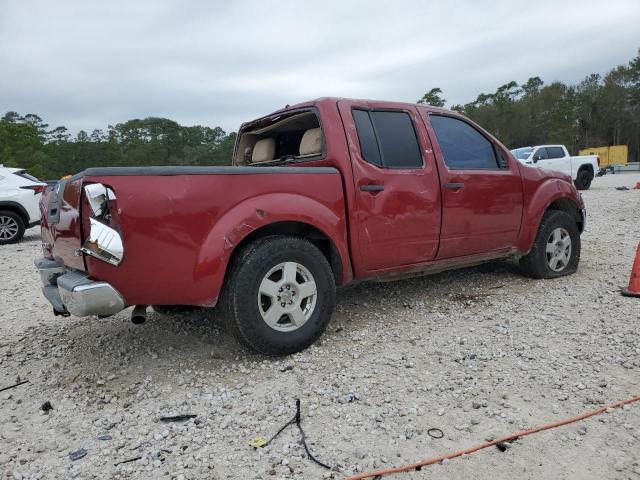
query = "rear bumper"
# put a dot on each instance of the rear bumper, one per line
(73, 293)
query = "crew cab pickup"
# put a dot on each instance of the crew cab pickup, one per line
(581, 168)
(319, 194)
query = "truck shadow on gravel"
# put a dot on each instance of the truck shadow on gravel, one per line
(198, 339)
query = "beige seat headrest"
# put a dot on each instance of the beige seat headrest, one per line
(311, 143)
(264, 150)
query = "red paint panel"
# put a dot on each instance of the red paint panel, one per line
(67, 232)
(175, 249)
(485, 212)
(399, 225)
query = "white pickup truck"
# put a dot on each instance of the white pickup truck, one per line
(556, 157)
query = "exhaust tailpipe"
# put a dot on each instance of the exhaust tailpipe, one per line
(139, 314)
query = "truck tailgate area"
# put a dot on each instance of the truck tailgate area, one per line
(180, 224)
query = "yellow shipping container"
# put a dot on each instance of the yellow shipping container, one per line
(613, 155)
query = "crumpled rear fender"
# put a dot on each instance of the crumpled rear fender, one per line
(257, 212)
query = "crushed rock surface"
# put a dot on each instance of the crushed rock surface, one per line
(479, 352)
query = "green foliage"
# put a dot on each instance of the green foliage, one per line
(599, 111)
(26, 141)
(433, 97)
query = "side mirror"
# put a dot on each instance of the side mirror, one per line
(536, 158)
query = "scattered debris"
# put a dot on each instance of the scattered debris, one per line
(105, 437)
(435, 433)
(622, 188)
(258, 442)
(127, 461)
(78, 455)
(177, 418)
(297, 419)
(46, 406)
(287, 368)
(351, 397)
(503, 446)
(17, 384)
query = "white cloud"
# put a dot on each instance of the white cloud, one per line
(88, 64)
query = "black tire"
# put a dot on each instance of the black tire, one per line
(13, 223)
(536, 263)
(584, 179)
(239, 302)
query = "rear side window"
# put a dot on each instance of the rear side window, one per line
(24, 174)
(368, 142)
(555, 152)
(462, 146)
(388, 138)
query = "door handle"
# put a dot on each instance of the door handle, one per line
(453, 185)
(372, 188)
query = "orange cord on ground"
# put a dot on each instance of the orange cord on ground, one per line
(514, 436)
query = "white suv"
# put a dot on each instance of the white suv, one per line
(19, 198)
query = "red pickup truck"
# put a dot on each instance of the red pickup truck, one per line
(320, 194)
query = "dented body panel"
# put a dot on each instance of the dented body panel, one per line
(179, 231)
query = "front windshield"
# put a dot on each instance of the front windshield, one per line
(522, 153)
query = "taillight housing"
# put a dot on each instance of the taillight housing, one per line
(36, 188)
(104, 242)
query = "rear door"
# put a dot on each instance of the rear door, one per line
(481, 188)
(397, 218)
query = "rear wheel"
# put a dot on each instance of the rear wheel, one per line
(279, 296)
(583, 181)
(556, 250)
(12, 227)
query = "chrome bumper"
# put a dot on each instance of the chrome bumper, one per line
(73, 293)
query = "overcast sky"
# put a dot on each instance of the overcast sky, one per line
(87, 64)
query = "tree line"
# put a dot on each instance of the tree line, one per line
(601, 110)
(28, 142)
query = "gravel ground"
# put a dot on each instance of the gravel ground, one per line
(477, 353)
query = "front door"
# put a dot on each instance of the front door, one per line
(397, 218)
(481, 189)
(552, 158)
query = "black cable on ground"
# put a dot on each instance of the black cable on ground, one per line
(304, 441)
(297, 419)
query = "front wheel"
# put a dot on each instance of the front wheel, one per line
(279, 295)
(556, 249)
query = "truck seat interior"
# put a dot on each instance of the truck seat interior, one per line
(290, 137)
(264, 150)
(311, 143)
